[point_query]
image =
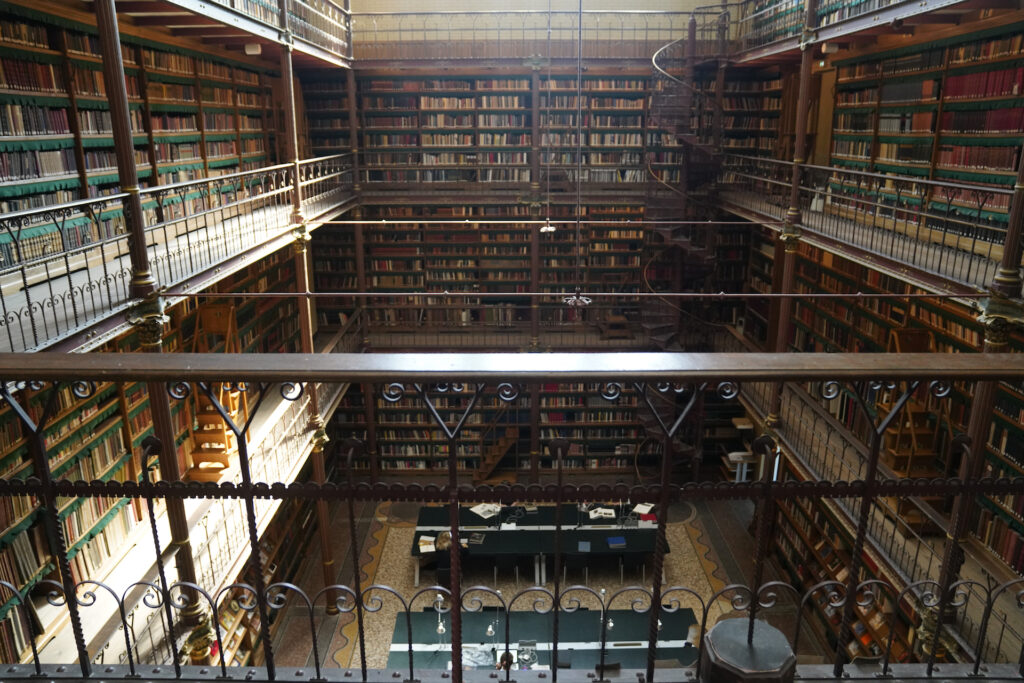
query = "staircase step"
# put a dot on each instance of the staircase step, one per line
(212, 473)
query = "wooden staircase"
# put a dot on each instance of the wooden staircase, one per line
(491, 454)
(911, 444)
(213, 442)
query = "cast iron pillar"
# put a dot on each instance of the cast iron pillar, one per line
(142, 282)
(790, 235)
(1007, 282)
(291, 131)
(149, 320)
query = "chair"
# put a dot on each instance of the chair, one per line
(506, 563)
(632, 562)
(576, 562)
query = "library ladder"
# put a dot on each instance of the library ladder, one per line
(213, 442)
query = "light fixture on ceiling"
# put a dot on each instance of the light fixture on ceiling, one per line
(253, 49)
(547, 227)
(577, 300)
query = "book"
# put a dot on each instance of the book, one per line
(476, 538)
(616, 542)
(584, 546)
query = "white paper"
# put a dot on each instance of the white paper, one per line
(508, 526)
(486, 510)
(602, 513)
(427, 548)
(643, 508)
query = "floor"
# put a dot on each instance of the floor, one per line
(710, 549)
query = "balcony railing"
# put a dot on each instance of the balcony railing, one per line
(950, 230)
(410, 379)
(63, 268)
(779, 24)
(319, 24)
(834, 454)
(514, 33)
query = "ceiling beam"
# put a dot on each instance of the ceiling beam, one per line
(186, 20)
(200, 31)
(149, 7)
(232, 41)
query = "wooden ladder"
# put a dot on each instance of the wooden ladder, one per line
(492, 454)
(213, 442)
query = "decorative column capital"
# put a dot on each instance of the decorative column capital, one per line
(320, 438)
(302, 239)
(148, 318)
(1000, 317)
(790, 237)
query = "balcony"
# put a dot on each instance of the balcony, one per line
(942, 235)
(65, 269)
(761, 30)
(417, 378)
(317, 29)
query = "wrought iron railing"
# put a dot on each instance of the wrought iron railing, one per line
(65, 267)
(516, 33)
(322, 24)
(760, 23)
(410, 378)
(835, 454)
(952, 230)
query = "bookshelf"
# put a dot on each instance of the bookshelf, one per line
(193, 115)
(751, 105)
(326, 100)
(856, 324)
(814, 546)
(949, 109)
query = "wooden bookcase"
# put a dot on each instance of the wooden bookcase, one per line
(193, 115)
(949, 109)
(751, 106)
(814, 546)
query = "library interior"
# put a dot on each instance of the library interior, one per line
(417, 341)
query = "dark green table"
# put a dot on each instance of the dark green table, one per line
(579, 638)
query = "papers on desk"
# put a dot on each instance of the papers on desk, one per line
(508, 526)
(486, 510)
(602, 513)
(643, 508)
(426, 544)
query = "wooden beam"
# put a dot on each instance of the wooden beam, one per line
(186, 20)
(200, 31)
(932, 19)
(232, 41)
(149, 7)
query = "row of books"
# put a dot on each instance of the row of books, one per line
(1010, 121)
(983, 158)
(19, 74)
(21, 560)
(909, 91)
(26, 165)
(1001, 83)
(167, 61)
(27, 119)
(1002, 538)
(109, 542)
(23, 33)
(911, 152)
(986, 49)
(14, 509)
(905, 122)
